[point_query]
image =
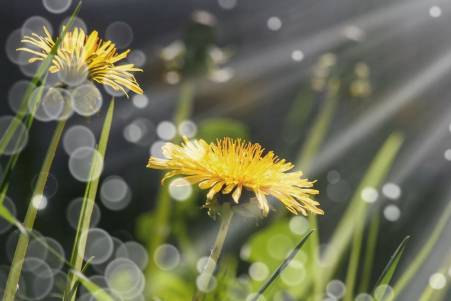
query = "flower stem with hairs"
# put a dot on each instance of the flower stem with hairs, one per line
(226, 215)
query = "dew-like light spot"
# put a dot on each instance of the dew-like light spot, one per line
(120, 33)
(447, 154)
(124, 278)
(56, 6)
(391, 191)
(36, 283)
(294, 274)
(167, 257)
(78, 136)
(299, 225)
(206, 282)
(35, 24)
(187, 128)
(140, 101)
(297, 55)
(77, 22)
(137, 57)
(364, 297)
(12, 43)
(392, 213)
(383, 292)
(115, 193)
(180, 189)
(227, 4)
(73, 213)
(39, 202)
(435, 11)
(87, 100)
(274, 23)
(166, 130)
(172, 77)
(437, 281)
(16, 96)
(369, 194)
(333, 177)
(99, 245)
(203, 262)
(258, 271)
(336, 289)
(16, 139)
(156, 149)
(81, 161)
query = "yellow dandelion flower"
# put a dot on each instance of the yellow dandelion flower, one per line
(79, 52)
(232, 166)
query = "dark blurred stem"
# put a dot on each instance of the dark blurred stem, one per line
(226, 215)
(163, 201)
(370, 248)
(185, 102)
(22, 245)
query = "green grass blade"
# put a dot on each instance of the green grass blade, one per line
(282, 266)
(94, 289)
(369, 252)
(424, 252)
(84, 221)
(357, 208)
(22, 245)
(390, 268)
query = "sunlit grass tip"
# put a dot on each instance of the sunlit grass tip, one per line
(235, 166)
(80, 54)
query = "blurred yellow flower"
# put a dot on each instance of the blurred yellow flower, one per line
(231, 165)
(81, 53)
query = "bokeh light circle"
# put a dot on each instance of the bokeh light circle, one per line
(120, 33)
(78, 136)
(80, 163)
(99, 245)
(16, 139)
(57, 6)
(16, 96)
(166, 130)
(187, 128)
(37, 283)
(166, 257)
(437, 281)
(336, 288)
(180, 189)
(140, 101)
(135, 252)
(115, 193)
(35, 24)
(299, 225)
(206, 282)
(392, 213)
(137, 57)
(125, 278)
(258, 271)
(73, 213)
(87, 99)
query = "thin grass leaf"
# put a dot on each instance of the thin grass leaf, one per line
(79, 247)
(357, 209)
(98, 293)
(30, 217)
(390, 268)
(282, 266)
(369, 253)
(418, 261)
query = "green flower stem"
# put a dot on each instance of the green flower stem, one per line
(81, 237)
(226, 215)
(22, 245)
